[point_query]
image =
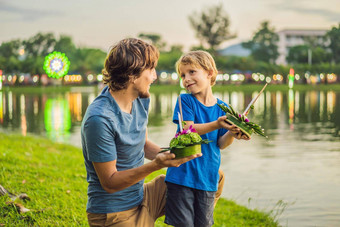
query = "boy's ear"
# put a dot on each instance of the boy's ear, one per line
(210, 73)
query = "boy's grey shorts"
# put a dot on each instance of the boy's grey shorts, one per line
(188, 207)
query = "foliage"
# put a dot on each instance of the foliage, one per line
(298, 54)
(334, 36)
(167, 60)
(9, 56)
(89, 60)
(155, 39)
(54, 177)
(83, 60)
(211, 26)
(39, 45)
(263, 45)
(232, 63)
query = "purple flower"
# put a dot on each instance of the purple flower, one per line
(246, 120)
(186, 131)
(192, 129)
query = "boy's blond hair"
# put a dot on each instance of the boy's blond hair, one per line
(199, 59)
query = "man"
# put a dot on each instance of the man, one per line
(114, 142)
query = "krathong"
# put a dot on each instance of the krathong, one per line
(241, 121)
(185, 143)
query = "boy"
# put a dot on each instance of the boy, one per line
(192, 186)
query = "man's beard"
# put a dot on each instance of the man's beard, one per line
(144, 95)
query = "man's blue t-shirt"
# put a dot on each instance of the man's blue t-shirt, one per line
(109, 134)
(200, 173)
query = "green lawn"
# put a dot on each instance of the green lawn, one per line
(53, 176)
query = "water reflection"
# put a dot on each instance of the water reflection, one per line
(56, 115)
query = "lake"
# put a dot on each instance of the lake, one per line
(295, 173)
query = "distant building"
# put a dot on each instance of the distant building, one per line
(235, 50)
(287, 39)
(293, 37)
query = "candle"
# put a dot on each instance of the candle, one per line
(253, 101)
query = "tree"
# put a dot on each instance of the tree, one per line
(87, 60)
(9, 56)
(211, 26)
(65, 45)
(298, 54)
(334, 37)
(155, 39)
(167, 60)
(39, 45)
(263, 46)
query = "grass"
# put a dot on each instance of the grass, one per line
(53, 176)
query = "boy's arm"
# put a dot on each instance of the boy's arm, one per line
(225, 140)
(228, 138)
(211, 126)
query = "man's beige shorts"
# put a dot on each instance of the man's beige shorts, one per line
(144, 215)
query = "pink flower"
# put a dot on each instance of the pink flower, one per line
(186, 131)
(246, 120)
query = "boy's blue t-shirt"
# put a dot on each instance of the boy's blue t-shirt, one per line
(200, 173)
(109, 134)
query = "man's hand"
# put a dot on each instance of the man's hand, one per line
(167, 159)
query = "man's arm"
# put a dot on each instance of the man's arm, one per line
(150, 149)
(113, 180)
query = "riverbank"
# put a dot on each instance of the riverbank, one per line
(53, 176)
(155, 88)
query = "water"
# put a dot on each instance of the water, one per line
(295, 173)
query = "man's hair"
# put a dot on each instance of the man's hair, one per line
(126, 61)
(198, 59)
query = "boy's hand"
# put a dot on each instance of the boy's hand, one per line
(231, 128)
(240, 136)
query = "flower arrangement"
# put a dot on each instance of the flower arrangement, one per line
(185, 143)
(186, 138)
(247, 127)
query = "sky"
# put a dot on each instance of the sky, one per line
(102, 23)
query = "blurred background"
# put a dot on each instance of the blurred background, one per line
(52, 54)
